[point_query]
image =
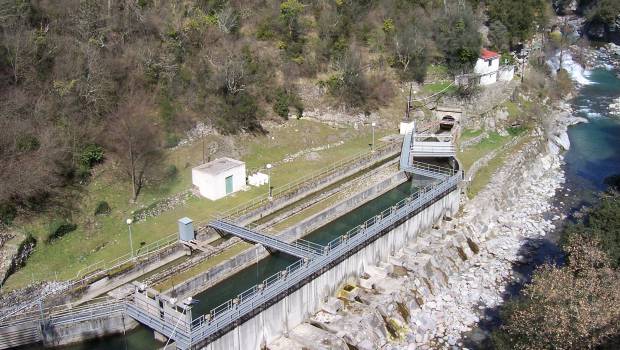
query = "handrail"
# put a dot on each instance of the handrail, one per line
(321, 173)
(101, 267)
(357, 234)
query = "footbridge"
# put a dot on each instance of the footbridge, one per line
(426, 145)
(300, 248)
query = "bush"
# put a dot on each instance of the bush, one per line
(58, 228)
(27, 143)
(171, 172)
(280, 105)
(91, 154)
(121, 269)
(172, 140)
(7, 213)
(571, 307)
(103, 208)
(602, 224)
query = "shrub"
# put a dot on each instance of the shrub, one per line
(91, 154)
(172, 140)
(58, 228)
(27, 143)
(570, 307)
(103, 208)
(280, 105)
(171, 172)
(7, 213)
(121, 269)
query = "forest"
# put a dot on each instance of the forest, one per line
(118, 81)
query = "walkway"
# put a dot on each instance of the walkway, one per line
(300, 248)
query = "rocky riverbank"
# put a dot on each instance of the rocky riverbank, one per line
(434, 290)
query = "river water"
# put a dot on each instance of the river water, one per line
(593, 157)
(595, 146)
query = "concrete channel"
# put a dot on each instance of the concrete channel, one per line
(225, 280)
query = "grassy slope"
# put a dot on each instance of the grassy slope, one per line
(105, 238)
(482, 148)
(483, 176)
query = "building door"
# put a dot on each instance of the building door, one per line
(229, 184)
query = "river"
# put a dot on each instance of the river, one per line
(593, 157)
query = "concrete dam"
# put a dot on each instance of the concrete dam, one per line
(248, 313)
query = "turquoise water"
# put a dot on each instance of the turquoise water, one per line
(142, 337)
(595, 146)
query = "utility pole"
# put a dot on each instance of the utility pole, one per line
(373, 124)
(129, 221)
(202, 136)
(269, 180)
(409, 102)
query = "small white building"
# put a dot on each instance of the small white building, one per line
(487, 66)
(219, 178)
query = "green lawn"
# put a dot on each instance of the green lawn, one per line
(482, 148)
(100, 238)
(437, 71)
(433, 88)
(467, 134)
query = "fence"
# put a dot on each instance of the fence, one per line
(244, 303)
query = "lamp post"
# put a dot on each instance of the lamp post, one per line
(269, 179)
(373, 124)
(129, 221)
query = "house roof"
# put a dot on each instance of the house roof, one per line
(185, 220)
(218, 166)
(488, 54)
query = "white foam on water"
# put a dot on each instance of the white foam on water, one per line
(574, 69)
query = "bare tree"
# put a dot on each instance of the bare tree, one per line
(227, 20)
(134, 141)
(230, 73)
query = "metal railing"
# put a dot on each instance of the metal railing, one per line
(300, 250)
(106, 265)
(324, 172)
(98, 269)
(232, 310)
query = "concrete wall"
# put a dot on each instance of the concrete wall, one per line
(56, 335)
(292, 310)
(506, 73)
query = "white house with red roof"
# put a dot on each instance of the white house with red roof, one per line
(487, 67)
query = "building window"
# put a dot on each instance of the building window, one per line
(490, 61)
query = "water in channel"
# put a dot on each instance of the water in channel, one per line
(142, 337)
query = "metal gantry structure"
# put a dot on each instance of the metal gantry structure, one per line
(432, 145)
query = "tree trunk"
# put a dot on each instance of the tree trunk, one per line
(132, 169)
